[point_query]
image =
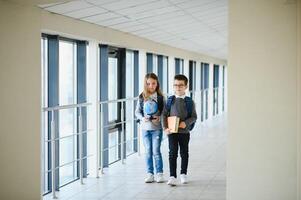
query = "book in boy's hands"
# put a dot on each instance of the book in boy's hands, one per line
(173, 123)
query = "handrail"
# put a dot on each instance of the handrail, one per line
(68, 163)
(118, 100)
(70, 135)
(79, 105)
(53, 140)
(136, 98)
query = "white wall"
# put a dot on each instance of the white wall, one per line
(299, 98)
(262, 67)
(20, 103)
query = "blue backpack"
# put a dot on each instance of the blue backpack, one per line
(188, 102)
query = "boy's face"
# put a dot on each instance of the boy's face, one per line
(179, 87)
(151, 85)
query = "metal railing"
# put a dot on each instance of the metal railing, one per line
(53, 140)
(100, 132)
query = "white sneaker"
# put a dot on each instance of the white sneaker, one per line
(160, 178)
(172, 181)
(183, 178)
(149, 178)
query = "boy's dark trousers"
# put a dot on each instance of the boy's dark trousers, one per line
(174, 141)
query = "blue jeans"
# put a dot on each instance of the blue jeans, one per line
(152, 142)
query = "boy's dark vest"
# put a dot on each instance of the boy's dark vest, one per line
(159, 101)
(188, 102)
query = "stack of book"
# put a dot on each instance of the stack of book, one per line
(173, 123)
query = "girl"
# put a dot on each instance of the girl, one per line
(148, 111)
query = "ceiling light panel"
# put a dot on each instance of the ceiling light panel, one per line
(132, 29)
(113, 21)
(68, 7)
(144, 7)
(124, 4)
(101, 17)
(92, 11)
(101, 2)
(163, 18)
(127, 24)
(193, 4)
(155, 12)
(208, 9)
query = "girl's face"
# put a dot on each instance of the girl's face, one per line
(151, 85)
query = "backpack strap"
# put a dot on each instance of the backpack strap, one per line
(160, 103)
(188, 102)
(141, 103)
(169, 103)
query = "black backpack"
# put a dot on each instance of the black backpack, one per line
(188, 102)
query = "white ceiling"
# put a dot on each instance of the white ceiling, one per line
(195, 25)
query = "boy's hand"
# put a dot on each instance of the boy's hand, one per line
(156, 118)
(145, 119)
(167, 131)
(182, 125)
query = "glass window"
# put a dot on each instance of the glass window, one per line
(67, 117)
(223, 104)
(204, 86)
(113, 146)
(198, 78)
(165, 75)
(129, 113)
(67, 86)
(65, 79)
(198, 94)
(67, 75)
(215, 89)
(44, 50)
(181, 66)
(67, 174)
(113, 90)
(192, 76)
(67, 156)
(155, 64)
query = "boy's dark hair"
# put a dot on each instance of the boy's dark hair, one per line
(181, 77)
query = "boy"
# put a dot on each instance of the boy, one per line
(179, 107)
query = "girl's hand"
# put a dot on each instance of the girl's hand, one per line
(156, 118)
(167, 131)
(182, 125)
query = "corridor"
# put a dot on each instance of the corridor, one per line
(206, 172)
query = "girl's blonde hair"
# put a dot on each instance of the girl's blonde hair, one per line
(145, 92)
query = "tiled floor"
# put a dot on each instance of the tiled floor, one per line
(206, 171)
